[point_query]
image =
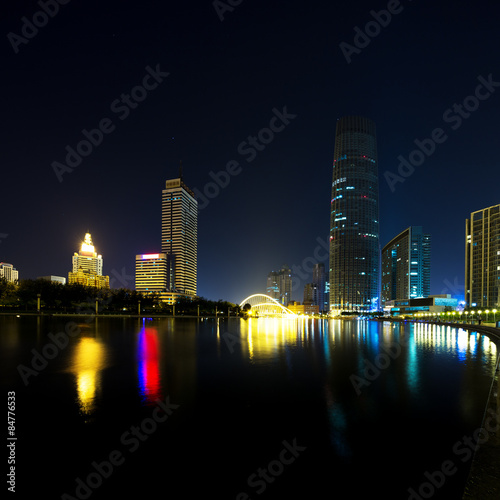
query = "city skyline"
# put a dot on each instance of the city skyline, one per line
(259, 149)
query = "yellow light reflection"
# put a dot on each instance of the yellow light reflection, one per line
(87, 363)
(264, 337)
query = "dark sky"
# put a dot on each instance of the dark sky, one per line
(225, 78)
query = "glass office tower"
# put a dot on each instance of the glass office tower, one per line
(406, 266)
(354, 225)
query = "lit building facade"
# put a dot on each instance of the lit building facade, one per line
(9, 272)
(151, 272)
(482, 258)
(179, 237)
(87, 266)
(354, 271)
(298, 308)
(406, 265)
(85, 278)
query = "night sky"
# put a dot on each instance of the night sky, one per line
(225, 78)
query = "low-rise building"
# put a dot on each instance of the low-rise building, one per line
(432, 304)
(298, 308)
(54, 279)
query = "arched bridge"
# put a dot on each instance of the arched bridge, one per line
(263, 305)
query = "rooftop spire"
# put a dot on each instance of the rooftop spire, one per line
(180, 170)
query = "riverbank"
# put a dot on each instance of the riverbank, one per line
(484, 477)
(91, 315)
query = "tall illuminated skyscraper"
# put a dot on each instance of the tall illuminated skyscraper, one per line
(179, 236)
(354, 225)
(482, 258)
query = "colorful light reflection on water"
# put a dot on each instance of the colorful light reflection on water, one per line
(148, 364)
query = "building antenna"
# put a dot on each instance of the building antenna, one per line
(180, 170)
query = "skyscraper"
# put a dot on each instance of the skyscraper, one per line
(279, 285)
(482, 258)
(179, 236)
(354, 225)
(285, 284)
(320, 280)
(272, 288)
(406, 265)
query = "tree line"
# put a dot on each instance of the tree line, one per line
(75, 298)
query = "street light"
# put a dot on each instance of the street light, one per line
(495, 316)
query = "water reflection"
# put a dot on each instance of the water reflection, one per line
(148, 364)
(88, 361)
(264, 338)
(443, 338)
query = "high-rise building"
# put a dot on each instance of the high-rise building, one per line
(406, 266)
(354, 226)
(482, 258)
(179, 236)
(279, 285)
(9, 272)
(285, 284)
(320, 280)
(87, 266)
(272, 288)
(151, 272)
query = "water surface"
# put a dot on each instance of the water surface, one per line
(261, 408)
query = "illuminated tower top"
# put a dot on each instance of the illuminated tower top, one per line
(87, 248)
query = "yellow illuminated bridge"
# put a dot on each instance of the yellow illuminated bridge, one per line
(263, 305)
